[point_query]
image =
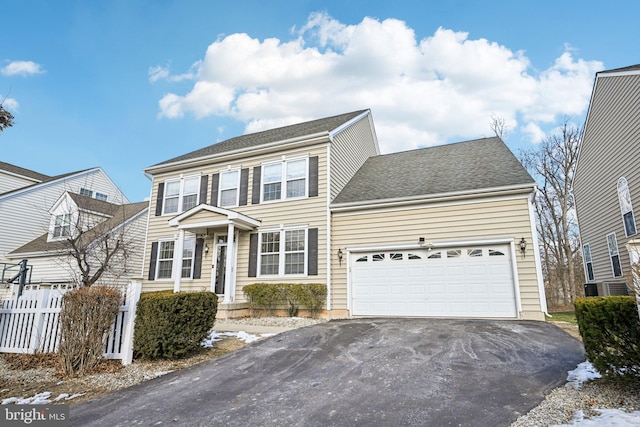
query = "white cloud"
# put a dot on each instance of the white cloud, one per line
(21, 68)
(164, 73)
(9, 103)
(422, 92)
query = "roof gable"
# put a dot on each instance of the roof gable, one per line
(461, 167)
(122, 215)
(299, 130)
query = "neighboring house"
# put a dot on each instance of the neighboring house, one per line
(430, 232)
(606, 183)
(96, 227)
(27, 196)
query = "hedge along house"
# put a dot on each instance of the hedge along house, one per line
(315, 202)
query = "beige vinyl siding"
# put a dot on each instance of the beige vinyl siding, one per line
(349, 150)
(25, 214)
(10, 182)
(610, 150)
(309, 212)
(456, 222)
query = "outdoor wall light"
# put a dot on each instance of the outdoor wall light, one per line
(523, 247)
(421, 241)
(340, 255)
(206, 248)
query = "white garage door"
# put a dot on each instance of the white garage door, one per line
(454, 282)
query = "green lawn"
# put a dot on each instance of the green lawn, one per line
(564, 316)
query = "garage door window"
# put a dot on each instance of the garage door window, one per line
(454, 253)
(474, 252)
(435, 255)
(493, 252)
(377, 257)
(363, 259)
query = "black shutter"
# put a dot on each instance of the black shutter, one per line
(159, 199)
(204, 181)
(154, 260)
(312, 253)
(215, 180)
(313, 176)
(255, 190)
(197, 262)
(253, 255)
(244, 186)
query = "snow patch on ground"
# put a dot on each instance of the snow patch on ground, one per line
(40, 399)
(584, 372)
(241, 335)
(607, 417)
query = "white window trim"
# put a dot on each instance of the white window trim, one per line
(283, 179)
(158, 259)
(173, 272)
(611, 255)
(624, 193)
(70, 218)
(237, 187)
(282, 253)
(586, 263)
(181, 194)
(86, 191)
(101, 196)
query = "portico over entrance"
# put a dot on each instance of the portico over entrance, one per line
(223, 226)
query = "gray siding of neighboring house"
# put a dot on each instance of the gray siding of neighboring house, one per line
(350, 149)
(610, 150)
(10, 182)
(25, 214)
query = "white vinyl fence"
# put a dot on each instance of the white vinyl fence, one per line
(30, 324)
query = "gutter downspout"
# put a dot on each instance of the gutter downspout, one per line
(329, 224)
(536, 255)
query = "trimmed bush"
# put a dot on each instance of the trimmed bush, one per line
(86, 317)
(267, 297)
(610, 329)
(172, 325)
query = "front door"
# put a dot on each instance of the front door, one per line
(220, 265)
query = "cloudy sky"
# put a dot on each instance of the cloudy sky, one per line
(127, 84)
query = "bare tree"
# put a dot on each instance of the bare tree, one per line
(498, 126)
(552, 163)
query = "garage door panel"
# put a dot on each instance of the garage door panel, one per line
(463, 282)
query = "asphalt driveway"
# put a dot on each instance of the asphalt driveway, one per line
(382, 372)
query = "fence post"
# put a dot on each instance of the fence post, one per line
(38, 321)
(133, 295)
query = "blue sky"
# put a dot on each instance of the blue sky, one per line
(127, 84)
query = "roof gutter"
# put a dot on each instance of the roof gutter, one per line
(432, 198)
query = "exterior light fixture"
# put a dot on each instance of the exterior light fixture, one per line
(421, 241)
(340, 255)
(206, 248)
(523, 247)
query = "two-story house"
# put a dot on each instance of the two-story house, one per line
(606, 184)
(442, 231)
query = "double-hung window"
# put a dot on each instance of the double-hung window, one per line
(229, 188)
(62, 226)
(283, 252)
(166, 251)
(626, 208)
(612, 243)
(287, 179)
(588, 263)
(181, 194)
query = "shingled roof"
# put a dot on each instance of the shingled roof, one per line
(23, 172)
(619, 70)
(120, 214)
(454, 168)
(325, 125)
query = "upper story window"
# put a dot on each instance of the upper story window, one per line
(287, 179)
(624, 197)
(229, 188)
(85, 192)
(612, 243)
(588, 263)
(62, 226)
(101, 196)
(89, 193)
(181, 194)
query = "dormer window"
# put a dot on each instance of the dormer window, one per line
(62, 227)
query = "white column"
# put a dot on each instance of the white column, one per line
(178, 250)
(228, 275)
